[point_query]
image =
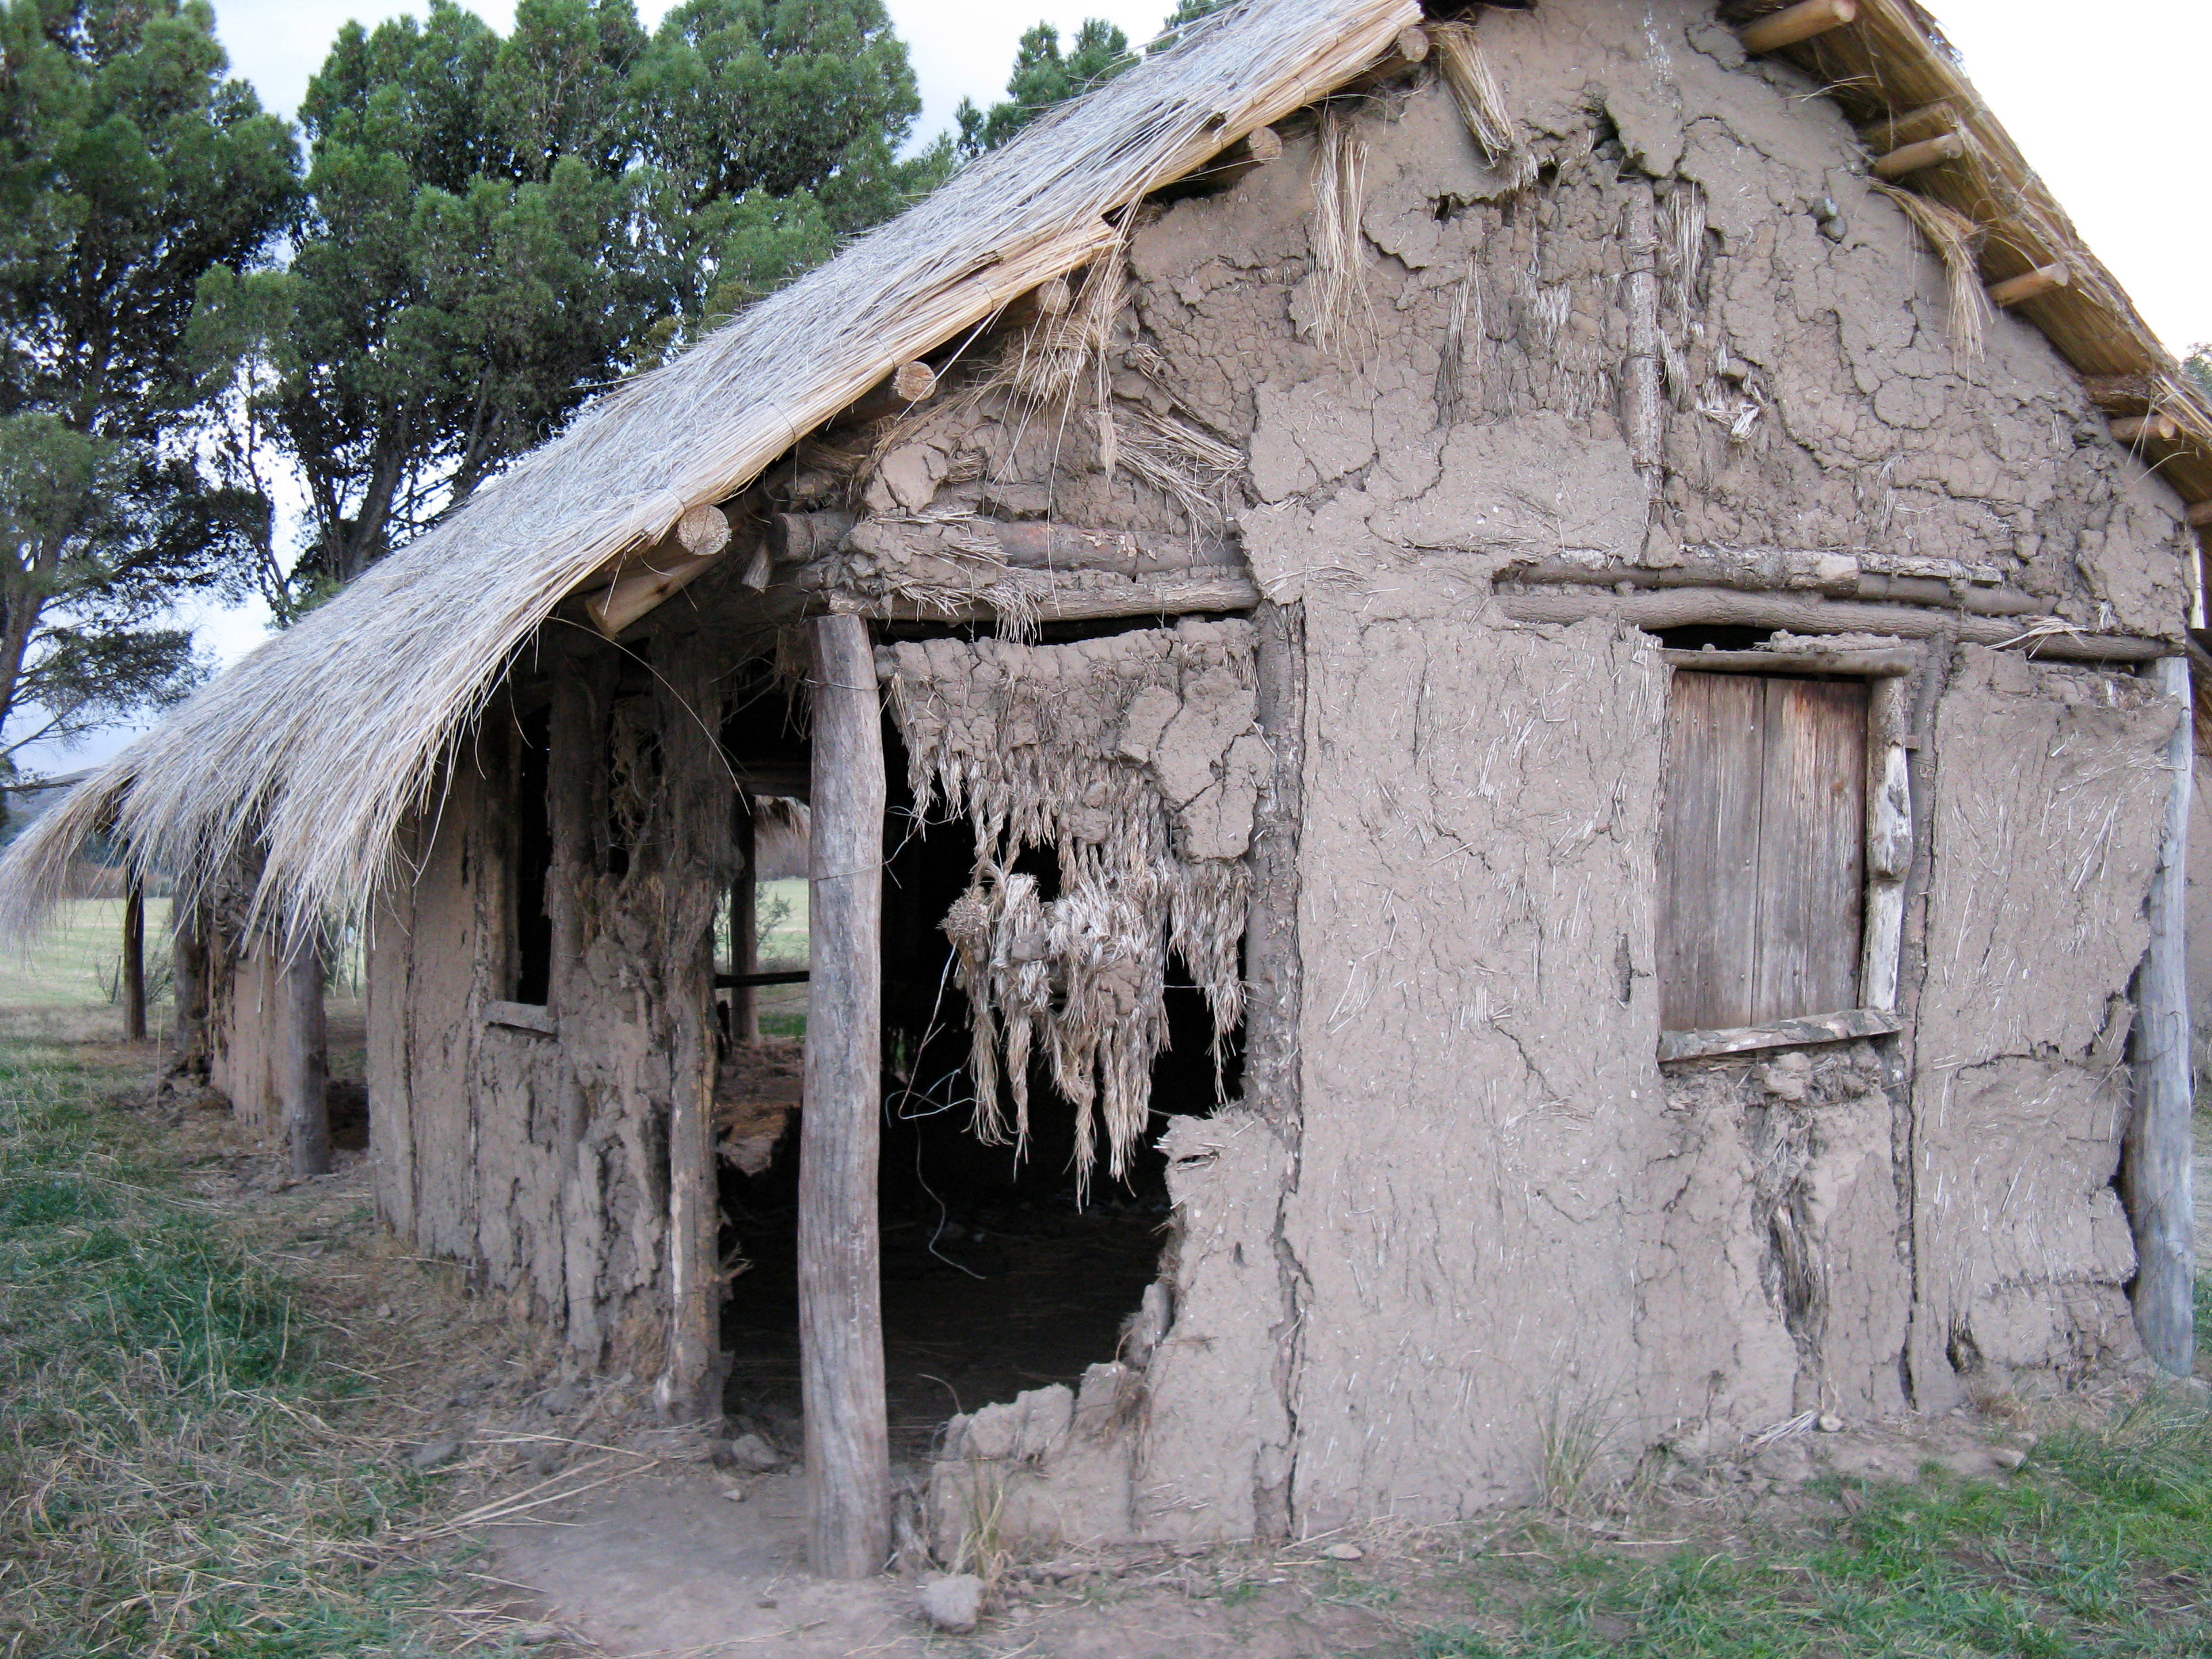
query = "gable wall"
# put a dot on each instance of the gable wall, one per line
(1487, 1225)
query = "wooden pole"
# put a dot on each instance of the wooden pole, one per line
(1928, 152)
(134, 960)
(840, 1335)
(2141, 428)
(188, 974)
(2155, 1177)
(745, 924)
(2029, 284)
(1799, 23)
(302, 1084)
(2200, 515)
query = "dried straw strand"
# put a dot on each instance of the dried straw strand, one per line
(1339, 187)
(1955, 239)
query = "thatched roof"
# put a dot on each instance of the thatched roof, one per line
(318, 746)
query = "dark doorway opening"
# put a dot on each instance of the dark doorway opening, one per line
(995, 1279)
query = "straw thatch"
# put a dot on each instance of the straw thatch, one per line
(319, 744)
(322, 741)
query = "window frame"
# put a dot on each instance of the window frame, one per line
(1891, 671)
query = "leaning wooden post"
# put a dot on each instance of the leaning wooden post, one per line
(2155, 1170)
(744, 923)
(303, 1082)
(840, 1297)
(134, 960)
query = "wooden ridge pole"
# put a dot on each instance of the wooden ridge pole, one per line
(303, 1076)
(2155, 1176)
(134, 960)
(841, 1338)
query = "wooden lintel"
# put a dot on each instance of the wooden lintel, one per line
(1847, 1026)
(1928, 152)
(2030, 285)
(523, 1017)
(1870, 665)
(1691, 607)
(1792, 24)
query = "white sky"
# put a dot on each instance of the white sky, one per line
(2112, 116)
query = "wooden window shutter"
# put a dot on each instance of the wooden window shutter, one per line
(1762, 850)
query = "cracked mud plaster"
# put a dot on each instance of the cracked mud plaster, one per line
(2051, 794)
(541, 1164)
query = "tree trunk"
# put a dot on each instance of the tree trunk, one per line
(303, 1082)
(2155, 1176)
(840, 1294)
(745, 924)
(134, 961)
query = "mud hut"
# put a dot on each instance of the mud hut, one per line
(1495, 711)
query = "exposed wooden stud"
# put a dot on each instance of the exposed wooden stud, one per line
(2200, 514)
(2155, 1174)
(841, 1337)
(745, 921)
(2028, 285)
(1057, 596)
(303, 1082)
(1910, 127)
(2146, 428)
(134, 961)
(1795, 23)
(1928, 152)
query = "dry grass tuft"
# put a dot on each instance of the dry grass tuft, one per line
(1955, 239)
(1339, 246)
(1481, 99)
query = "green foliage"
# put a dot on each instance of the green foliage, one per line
(499, 227)
(129, 167)
(1044, 76)
(173, 1486)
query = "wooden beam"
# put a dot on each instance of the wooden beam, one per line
(2146, 428)
(2124, 394)
(908, 384)
(2029, 284)
(1050, 597)
(2200, 514)
(1910, 127)
(841, 1337)
(1692, 607)
(1857, 663)
(134, 960)
(303, 1082)
(1928, 152)
(2155, 1175)
(1843, 1027)
(1792, 24)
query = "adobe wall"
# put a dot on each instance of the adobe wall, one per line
(540, 1160)
(1478, 1217)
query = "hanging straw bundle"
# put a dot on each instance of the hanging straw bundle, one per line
(1955, 239)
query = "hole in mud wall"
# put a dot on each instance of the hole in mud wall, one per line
(994, 1278)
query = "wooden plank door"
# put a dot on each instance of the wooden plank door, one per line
(1762, 850)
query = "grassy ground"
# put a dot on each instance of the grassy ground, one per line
(76, 962)
(181, 1468)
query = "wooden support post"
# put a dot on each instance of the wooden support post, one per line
(841, 1336)
(303, 1081)
(2029, 284)
(1928, 152)
(744, 923)
(134, 960)
(188, 975)
(2155, 1176)
(1795, 23)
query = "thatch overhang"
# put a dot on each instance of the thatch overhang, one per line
(309, 754)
